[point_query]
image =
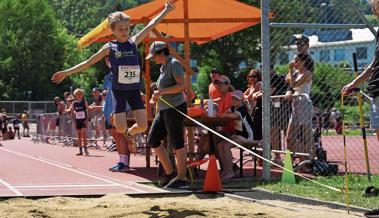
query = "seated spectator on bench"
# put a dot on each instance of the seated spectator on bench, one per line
(225, 89)
(243, 133)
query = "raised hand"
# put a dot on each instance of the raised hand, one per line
(169, 5)
(58, 77)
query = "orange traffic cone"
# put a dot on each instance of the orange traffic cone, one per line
(212, 181)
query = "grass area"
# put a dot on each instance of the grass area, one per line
(357, 185)
(348, 132)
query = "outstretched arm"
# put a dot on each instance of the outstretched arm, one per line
(60, 75)
(169, 6)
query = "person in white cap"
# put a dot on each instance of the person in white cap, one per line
(243, 132)
(168, 121)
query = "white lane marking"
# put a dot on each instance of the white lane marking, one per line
(72, 170)
(18, 193)
(64, 186)
(96, 174)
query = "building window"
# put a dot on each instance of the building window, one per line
(339, 55)
(324, 56)
(362, 53)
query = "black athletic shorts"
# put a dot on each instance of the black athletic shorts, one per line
(133, 98)
(168, 123)
(80, 124)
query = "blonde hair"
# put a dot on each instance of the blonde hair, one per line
(117, 17)
(79, 91)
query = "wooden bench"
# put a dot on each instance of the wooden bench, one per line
(255, 147)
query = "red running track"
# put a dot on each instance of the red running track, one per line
(355, 152)
(28, 169)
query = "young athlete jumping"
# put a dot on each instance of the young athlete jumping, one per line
(126, 80)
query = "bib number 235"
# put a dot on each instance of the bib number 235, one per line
(129, 74)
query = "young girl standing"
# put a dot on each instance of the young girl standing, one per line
(79, 108)
(125, 65)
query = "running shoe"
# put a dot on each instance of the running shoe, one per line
(176, 184)
(79, 154)
(114, 167)
(166, 179)
(121, 167)
(372, 213)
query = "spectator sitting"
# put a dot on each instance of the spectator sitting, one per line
(224, 104)
(243, 134)
(213, 93)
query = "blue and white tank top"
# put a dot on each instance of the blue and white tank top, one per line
(125, 66)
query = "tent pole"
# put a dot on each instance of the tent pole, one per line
(188, 71)
(147, 94)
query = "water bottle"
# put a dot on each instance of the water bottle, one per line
(210, 108)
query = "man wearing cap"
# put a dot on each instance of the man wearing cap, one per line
(212, 90)
(168, 121)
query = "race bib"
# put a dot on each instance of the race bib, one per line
(129, 74)
(80, 115)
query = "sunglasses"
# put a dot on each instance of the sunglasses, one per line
(220, 83)
(253, 76)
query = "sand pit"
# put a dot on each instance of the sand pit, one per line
(119, 205)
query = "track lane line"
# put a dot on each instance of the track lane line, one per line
(96, 174)
(44, 160)
(18, 193)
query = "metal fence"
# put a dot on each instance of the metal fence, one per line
(336, 29)
(34, 107)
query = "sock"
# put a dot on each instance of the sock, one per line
(125, 159)
(121, 158)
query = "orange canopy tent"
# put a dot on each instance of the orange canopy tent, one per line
(208, 20)
(198, 21)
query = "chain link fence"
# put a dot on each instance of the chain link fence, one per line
(317, 39)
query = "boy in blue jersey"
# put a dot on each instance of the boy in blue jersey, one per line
(126, 80)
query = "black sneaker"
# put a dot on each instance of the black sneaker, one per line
(176, 184)
(167, 179)
(372, 213)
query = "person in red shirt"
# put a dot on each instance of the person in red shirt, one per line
(224, 87)
(212, 90)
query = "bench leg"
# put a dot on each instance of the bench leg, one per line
(255, 162)
(241, 163)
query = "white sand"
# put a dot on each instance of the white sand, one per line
(119, 205)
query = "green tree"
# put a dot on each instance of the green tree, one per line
(33, 46)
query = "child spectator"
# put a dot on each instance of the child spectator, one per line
(243, 134)
(16, 125)
(80, 110)
(10, 133)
